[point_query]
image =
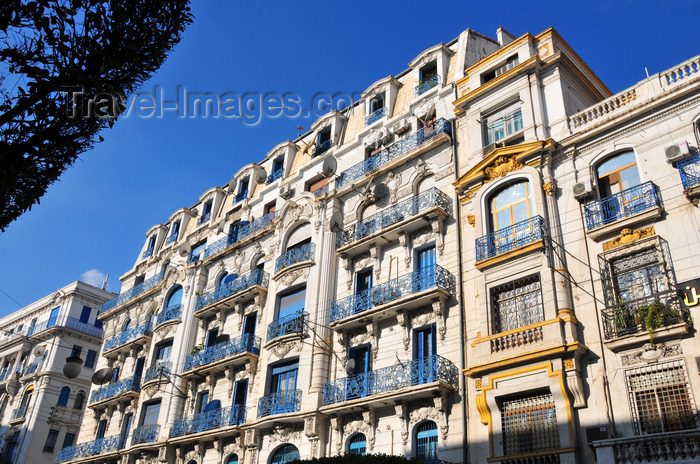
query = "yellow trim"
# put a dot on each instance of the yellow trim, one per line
(480, 369)
(499, 53)
(497, 81)
(537, 454)
(511, 254)
(523, 328)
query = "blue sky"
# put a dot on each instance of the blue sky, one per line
(93, 221)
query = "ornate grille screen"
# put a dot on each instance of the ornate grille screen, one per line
(529, 424)
(517, 304)
(660, 398)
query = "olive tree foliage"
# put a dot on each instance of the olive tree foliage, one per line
(55, 56)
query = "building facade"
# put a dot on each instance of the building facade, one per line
(437, 271)
(44, 413)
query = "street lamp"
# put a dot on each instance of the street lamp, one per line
(73, 366)
(13, 385)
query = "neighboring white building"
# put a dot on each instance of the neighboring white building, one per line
(45, 414)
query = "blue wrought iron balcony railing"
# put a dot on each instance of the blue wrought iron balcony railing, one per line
(409, 284)
(394, 150)
(322, 147)
(274, 175)
(689, 169)
(171, 313)
(427, 84)
(509, 238)
(637, 199)
(376, 116)
(279, 403)
(90, 448)
(394, 214)
(114, 389)
(255, 277)
(145, 434)
(245, 343)
(416, 372)
(295, 255)
(232, 415)
(294, 323)
(148, 252)
(68, 322)
(129, 334)
(133, 292)
(158, 370)
(171, 238)
(642, 315)
(244, 231)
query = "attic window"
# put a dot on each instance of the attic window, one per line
(323, 141)
(494, 73)
(428, 78)
(317, 185)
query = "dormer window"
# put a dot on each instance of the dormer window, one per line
(323, 141)
(377, 109)
(174, 232)
(494, 73)
(242, 190)
(502, 124)
(206, 213)
(277, 169)
(197, 251)
(151, 246)
(428, 78)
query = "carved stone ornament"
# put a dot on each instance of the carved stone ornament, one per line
(471, 219)
(665, 350)
(283, 348)
(393, 182)
(251, 438)
(288, 278)
(502, 166)
(284, 433)
(549, 188)
(628, 236)
(312, 426)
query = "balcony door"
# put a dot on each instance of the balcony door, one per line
(126, 425)
(424, 348)
(240, 392)
(138, 371)
(424, 275)
(363, 286)
(358, 382)
(284, 385)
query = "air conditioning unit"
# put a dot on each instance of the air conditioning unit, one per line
(286, 191)
(400, 127)
(677, 152)
(583, 189)
(384, 134)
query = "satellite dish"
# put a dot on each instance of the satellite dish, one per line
(193, 212)
(260, 175)
(380, 192)
(102, 376)
(10, 434)
(185, 250)
(39, 351)
(350, 367)
(336, 221)
(231, 186)
(330, 167)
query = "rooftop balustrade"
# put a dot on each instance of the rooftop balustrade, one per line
(406, 285)
(279, 403)
(274, 175)
(232, 415)
(244, 230)
(417, 372)
(641, 315)
(295, 255)
(394, 150)
(631, 201)
(388, 216)
(128, 335)
(376, 116)
(509, 238)
(145, 434)
(689, 169)
(255, 277)
(294, 323)
(681, 446)
(133, 292)
(427, 84)
(90, 448)
(68, 322)
(171, 313)
(245, 343)
(115, 389)
(159, 369)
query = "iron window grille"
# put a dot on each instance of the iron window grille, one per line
(517, 304)
(529, 424)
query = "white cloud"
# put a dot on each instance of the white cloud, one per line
(93, 277)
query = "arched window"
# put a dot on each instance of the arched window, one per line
(233, 459)
(357, 444)
(126, 325)
(227, 278)
(426, 184)
(299, 237)
(79, 400)
(175, 297)
(285, 453)
(617, 173)
(426, 441)
(510, 205)
(63, 397)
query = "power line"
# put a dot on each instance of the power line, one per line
(5, 293)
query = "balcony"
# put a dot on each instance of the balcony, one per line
(171, 238)
(511, 238)
(279, 403)
(376, 116)
(171, 313)
(393, 380)
(90, 448)
(633, 201)
(227, 294)
(292, 324)
(393, 151)
(245, 230)
(148, 253)
(689, 169)
(240, 196)
(115, 390)
(295, 255)
(67, 322)
(128, 336)
(61, 415)
(224, 417)
(322, 147)
(414, 289)
(682, 446)
(133, 292)
(274, 175)
(158, 370)
(427, 84)
(220, 356)
(658, 313)
(145, 434)
(431, 203)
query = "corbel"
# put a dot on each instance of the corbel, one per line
(335, 428)
(404, 321)
(373, 332)
(405, 243)
(346, 264)
(439, 312)
(369, 418)
(440, 403)
(239, 311)
(375, 253)
(437, 227)
(402, 414)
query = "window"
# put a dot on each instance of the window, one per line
(638, 275)
(357, 444)
(249, 323)
(98, 323)
(150, 247)
(53, 317)
(285, 453)
(51, 441)
(424, 348)
(227, 279)
(283, 384)
(240, 392)
(428, 78)
(509, 206)
(270, 208)
(376, 103)
(206, 212)
(85, 314)
(79, 401)
(197, 250)
(494, 73)
(660, 398)
(617, 173)
(529, 424)
(233, 459)
(90, 359)
(363, 286)
(101, 429)
(115, 375)
(503, 123)
(299, 237)
(126, 424)
(76, 350)
(202, 400)
(150, 413)
(360, 356)
(174, 232)
(292, 303)
(68, 440)
(318, 185)
(163, 351)
(517, 304)
(63, 397)
(242, 190)
(426, 441)
(212, 336)
(138, 280)
(175, 298)
(375, 110)
(323, 141)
